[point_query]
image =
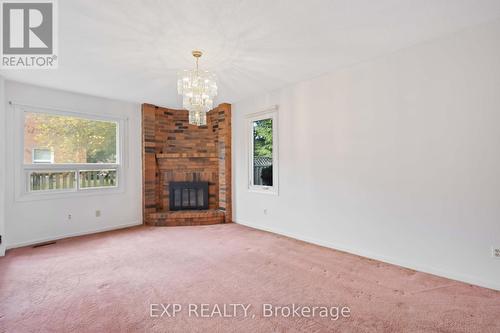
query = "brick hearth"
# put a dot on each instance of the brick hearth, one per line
(174, 150)
(189, 217)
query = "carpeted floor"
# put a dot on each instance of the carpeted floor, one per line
(108, 283)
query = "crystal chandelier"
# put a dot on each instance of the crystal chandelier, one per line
(198, 89)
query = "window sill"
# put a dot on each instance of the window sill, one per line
(263, 190)
(33, 196)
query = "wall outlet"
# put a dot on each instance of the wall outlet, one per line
(98, 213)
(495, 252)
(69, 217)
(265, 211)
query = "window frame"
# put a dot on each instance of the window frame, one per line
(23, 171)
(270, 113)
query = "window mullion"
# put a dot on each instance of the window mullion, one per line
(77, 179)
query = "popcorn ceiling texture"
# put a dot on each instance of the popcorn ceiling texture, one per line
(132, 50)
(106, 283)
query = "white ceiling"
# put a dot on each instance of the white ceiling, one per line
(132, 50)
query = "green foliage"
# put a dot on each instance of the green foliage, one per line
(75, 140)
(263, 138)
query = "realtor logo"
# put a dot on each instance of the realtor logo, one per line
(28, 34)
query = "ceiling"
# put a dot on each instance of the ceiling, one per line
(131, 50)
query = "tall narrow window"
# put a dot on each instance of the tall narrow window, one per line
(263, 152)
(67, 152)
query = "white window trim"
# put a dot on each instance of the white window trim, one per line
(272, 113)
(22, 170)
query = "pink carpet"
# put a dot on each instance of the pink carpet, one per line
(107, 283)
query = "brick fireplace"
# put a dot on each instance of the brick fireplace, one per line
(176, 153)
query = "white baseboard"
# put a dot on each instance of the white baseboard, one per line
(367, 254)
(81, 233)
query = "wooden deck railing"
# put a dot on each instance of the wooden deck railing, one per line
(64, 180)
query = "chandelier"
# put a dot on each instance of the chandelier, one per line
(198, 89)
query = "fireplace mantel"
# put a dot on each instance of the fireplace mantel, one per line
(186, 155)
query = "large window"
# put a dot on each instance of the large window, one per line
(263, 160)
(68, 152)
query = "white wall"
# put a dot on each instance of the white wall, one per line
(2, 165)
(30, 222)
(396, 159)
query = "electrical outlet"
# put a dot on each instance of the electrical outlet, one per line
(495, 252)
(265, 211)
(98, 213)
(69, 217)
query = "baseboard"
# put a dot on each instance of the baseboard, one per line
(81, 233)
(367, 254)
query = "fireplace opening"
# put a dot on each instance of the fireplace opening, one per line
(188, 195)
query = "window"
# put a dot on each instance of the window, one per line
(99, 178)
(43, 155)
(263, 168)
(66, 152)
(69, 139)
(48, 180)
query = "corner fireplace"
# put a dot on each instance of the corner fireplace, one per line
(188, 195)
